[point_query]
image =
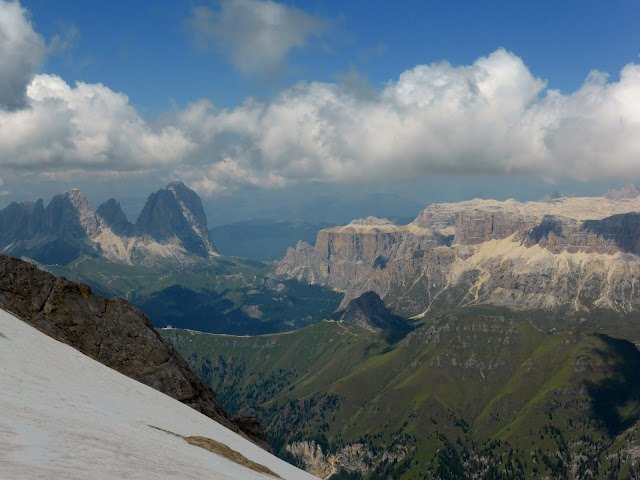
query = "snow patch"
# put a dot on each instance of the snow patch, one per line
(67, 416)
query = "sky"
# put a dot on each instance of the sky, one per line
(320, 110)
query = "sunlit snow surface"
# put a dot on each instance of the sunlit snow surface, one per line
(66, 416)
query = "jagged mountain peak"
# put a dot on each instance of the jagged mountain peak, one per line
(77, 199)
(113, 216)
(172, 225)
(177, 185)
(175, 213)
(369, 311)
(110, 205)
(71, 210)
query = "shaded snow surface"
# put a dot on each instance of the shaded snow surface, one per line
(66, 416)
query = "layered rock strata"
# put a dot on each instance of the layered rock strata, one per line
(580, 252)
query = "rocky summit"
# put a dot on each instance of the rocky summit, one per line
(176, 212)
(368, 311)
(113, 332)
(579, 253)
(171, 226)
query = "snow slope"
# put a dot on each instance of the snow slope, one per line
(66, 416)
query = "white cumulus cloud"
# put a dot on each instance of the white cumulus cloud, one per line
(226, 176)
(21, 52)
(257, 35)
(492, 116)
(87, 126)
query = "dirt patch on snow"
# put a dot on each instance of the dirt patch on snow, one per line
(223, 450)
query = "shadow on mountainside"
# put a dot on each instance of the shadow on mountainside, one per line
(395, 336)
(549, 224)
(622, 229)
(615, 399)
(257, 312)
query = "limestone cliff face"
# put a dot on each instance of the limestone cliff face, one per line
(354, 458)
(113, 332)
(172, 226)
(581, 252)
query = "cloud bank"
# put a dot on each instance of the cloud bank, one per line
(492, 116)
(88, 126)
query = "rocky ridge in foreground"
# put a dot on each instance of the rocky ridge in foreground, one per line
(113, 332)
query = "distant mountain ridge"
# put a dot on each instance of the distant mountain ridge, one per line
(172, 225)
(580, 253)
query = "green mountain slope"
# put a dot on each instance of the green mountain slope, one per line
(222, 295)
(469, 394)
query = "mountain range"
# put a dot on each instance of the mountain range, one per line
(171, 227)
(577, 255)
(482, 340)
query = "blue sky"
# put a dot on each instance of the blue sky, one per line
(146, 50)
(251, 99)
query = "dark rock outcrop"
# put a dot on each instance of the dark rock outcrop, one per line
(56, 234)
(20, 221)
(113, 332)
(251, 426)
(113, 217)
(369, 311)
(176, 212)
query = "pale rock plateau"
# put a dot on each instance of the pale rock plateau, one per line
(579, 252)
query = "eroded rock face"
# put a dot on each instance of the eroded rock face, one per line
(172, 225)
(176, 212)
(56, 234)
(112, 216)
(581, 252)
(353, 458)
(113, 332)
